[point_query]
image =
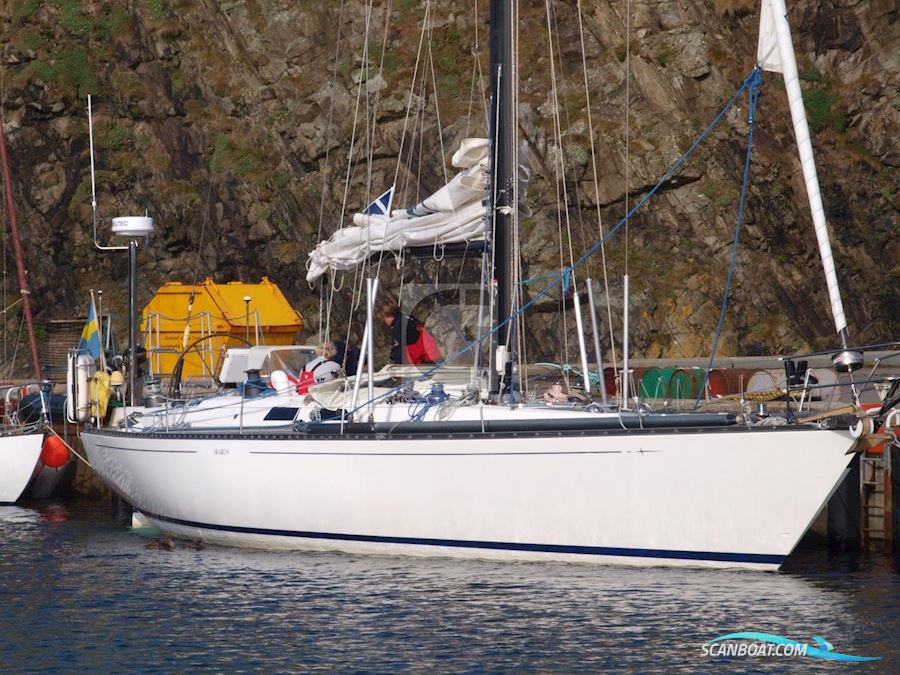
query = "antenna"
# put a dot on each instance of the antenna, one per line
(94, 184)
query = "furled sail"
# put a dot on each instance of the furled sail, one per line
(775, 52)
(767, 54)
(453, 214)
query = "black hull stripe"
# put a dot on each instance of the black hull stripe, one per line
(259, 435)
(117, 448)
(713, 556)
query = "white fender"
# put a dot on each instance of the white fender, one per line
(80, 370)
(11, 399)
(32, 388)
(864, 427)
(279, 381)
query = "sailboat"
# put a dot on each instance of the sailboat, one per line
(465, 466)
(20, 442)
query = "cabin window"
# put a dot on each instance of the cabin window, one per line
(281, 414)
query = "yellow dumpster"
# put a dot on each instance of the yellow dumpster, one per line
(205, 319)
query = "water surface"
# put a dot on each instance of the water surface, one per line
(80, 591)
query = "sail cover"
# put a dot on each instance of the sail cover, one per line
(453, 214)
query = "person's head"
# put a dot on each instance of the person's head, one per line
(327, 349)
(387, 311)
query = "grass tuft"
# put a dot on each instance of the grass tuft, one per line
(734, 7)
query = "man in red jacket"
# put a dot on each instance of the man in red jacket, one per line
(410, 340)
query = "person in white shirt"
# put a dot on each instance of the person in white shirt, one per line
(321, 369)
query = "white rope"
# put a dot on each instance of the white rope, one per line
(325, 172)
(332, 288)
(426, 30)
(476, 77)
(437, 112)
(50, 430)
(351, 150)
(559, 178)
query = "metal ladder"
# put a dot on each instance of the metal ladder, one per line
(871, 501)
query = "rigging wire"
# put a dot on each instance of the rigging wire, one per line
(5, 216)
(562, 200)
(562, 275)
(411, 98)
(627, 118)
(353, 132)
(477, 77)
(518, 289)
(587, 94)
(325, 167)
(364, 271)
(371, 122)
(753, 95)
(12, 363)
(190, 307)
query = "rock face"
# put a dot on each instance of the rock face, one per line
(251, 128)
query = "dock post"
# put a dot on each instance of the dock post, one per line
(891, 496)
(844, 512)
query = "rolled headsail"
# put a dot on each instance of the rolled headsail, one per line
(776, 53)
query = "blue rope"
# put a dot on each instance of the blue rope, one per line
(753, 94)
(566, 272)
(422, 404)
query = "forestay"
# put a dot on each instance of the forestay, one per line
(453, 214)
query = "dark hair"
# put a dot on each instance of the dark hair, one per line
(387, 308)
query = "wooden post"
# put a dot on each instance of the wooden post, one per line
(891, 496)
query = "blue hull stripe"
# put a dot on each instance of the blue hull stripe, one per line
(716, 556)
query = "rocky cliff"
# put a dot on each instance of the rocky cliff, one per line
(233, 123)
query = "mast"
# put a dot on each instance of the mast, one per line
(20, 259)
(503, 138)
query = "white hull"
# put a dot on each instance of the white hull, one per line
(19, 454)
(722, 497)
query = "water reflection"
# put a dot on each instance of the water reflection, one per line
(12, 516)
(96, 594)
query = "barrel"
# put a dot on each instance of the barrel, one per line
(716, 384)
(679, 383)
(651, 385)
(609, 379)
(737, 379)
(766, 380)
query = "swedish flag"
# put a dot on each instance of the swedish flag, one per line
(90, 335)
